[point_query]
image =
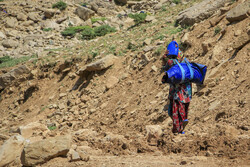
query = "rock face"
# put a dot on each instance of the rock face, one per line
(239, 12)
(7, 78)
(101, 64)
(84, 13)
(42, 151)
(199, 12)
(11, 149)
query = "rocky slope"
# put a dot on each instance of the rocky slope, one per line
(92, 108)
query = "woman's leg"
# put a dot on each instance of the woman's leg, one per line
(179, 115)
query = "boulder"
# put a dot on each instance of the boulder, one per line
(101, 64)
(111, 82)
(84, 13)
(9, 43)
(153, 133)
(62, 19)
(21, 17)
(199, 12)
(41, 151)
(11, 22)
(239, 12)
(32, 128)
(11, 150)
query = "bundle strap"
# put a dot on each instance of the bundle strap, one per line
(190, 69)
(182, 71)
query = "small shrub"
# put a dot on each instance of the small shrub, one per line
(176, 1)
(217, 30)
(138, 17)
(103, 30)
(71, 31)
(7, 61)
(88, 33)
(1, 0)
(164, 8)
(51, 127)
(47, 29)
(159, 51)
(131, 46)
(60, 5)
(94, 20)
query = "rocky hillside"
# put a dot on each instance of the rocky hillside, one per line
(101, 102)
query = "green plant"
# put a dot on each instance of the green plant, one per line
(88, 34)
(176, 1)
(71, 31)
(164, 8)
(95, 19)
(217, 30)
(60, 5)
(51, 127)
(7, 61)
(47, 29)
(131, 46)
(138, 17)
(103, 30)
(1, 0)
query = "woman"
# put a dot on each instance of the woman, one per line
(179, 94)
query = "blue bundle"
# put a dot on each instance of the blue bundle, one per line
(186, 72)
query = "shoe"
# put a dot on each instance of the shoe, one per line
(183, 132)
(185, 122)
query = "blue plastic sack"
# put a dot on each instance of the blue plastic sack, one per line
(186, 72)
(173, 48)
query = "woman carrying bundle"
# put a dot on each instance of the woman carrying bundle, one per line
(179, 94)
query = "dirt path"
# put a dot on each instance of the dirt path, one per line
(149, 160)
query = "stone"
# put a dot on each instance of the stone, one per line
(49, 13)
(84, 13)
(199, 12)
(101, 64)
(213, 105)
(154, 68)
(148, 48)
(21, 17)
(61, 95)
(11, 149)
(150, 18)
(11, 22)
(49, 24)
(147, 41)
(61, 106)
(32, 128)
(62, 19)
(74, 156)
(111, 82)
(9, 43)
(41, 151)
(2, 36)
(27, 23)
(34, 16)
(154, 132)
(239, 12)
(128, 23)
(231, 131)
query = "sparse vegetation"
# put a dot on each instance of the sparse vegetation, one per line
(159, 50)
(138, 17)
(47, 29)
(8, 61)
(60, 5)
(176, 1)
(95, 19)
(217, 30)
(51, 127)
(71, 31)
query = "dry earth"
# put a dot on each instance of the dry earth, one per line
(107, 112)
